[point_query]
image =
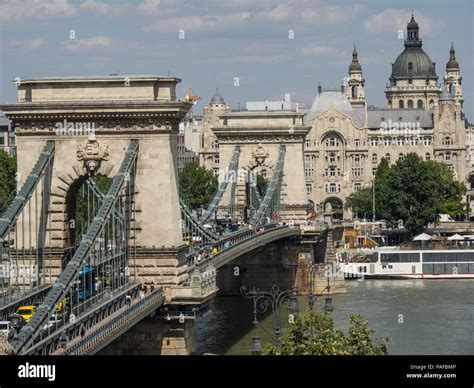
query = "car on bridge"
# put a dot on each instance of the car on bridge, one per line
(26, 312)
(6, 328)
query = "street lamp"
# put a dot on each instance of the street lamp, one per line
(274, 299)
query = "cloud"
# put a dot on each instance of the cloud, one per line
(87, 43)
(25, 44)
(23, 10)
(319, 50)
(392, 20)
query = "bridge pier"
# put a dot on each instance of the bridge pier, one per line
(155, 336)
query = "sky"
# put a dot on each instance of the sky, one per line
(249, 49)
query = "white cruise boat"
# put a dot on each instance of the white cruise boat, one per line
(392, 262)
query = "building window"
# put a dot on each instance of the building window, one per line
(427, 140)
(401, 156)
(427, 156)
(216, 159)
(307, 158)
(332, 188)
(387, 142)
(309, 172)
(356, 158)
(332, 158)
(447, 140)
(401, 104)
(431, 103)
(400, 141)
(309, 188)
(356, 143)
(447, 157)
(375, 158)
(374, 141)
(215, 145)
(332, 141)
(306, 144)
(374, 171)
(419, 104)
(357, 172)
(410, 104)
(387, 156)
(2, 141)
(414, 141)
(357, 186)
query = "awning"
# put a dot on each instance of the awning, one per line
(422, 237)
(456, 237)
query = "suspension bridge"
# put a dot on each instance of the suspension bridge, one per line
(77, 254)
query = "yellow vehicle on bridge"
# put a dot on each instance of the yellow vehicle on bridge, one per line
(26, 312)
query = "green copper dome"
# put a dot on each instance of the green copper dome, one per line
(413, 62)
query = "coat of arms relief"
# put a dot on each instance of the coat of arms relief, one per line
(92, 153)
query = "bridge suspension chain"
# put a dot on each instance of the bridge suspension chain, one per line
(99, 264)
(271, 199)
(230, 175)
(23, 234)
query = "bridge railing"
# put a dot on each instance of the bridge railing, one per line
(110, 330)
(235, 239)
(57, 336)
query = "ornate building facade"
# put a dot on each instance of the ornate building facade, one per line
(347, 139)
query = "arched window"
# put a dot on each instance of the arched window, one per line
(431, 103)
(354, 91)
(375, 159)
(401, 156)
(401, 104)
(427, 156)
(447, 140)
(410, 104)
(410, 66)
(450, 88)
(419, 104)
(387, 156)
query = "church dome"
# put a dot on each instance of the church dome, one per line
(217, 99)
(413, 62)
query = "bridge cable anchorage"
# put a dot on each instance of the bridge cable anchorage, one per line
(271, 199)
(23, 235)
(231, 173)
(94, 246)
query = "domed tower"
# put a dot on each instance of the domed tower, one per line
(209, 154)
(452, 78)
(355, 82)
(413, 82)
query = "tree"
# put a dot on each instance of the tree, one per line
(262, 184)
(314, 334)
(412, 190)
(360, 202)
(7, 179)
(197, 185)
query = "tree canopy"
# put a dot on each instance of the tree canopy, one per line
(197, 185)
(7, 179)
(413, 190)
(314, 334)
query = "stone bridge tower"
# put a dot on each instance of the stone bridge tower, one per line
(92, 120)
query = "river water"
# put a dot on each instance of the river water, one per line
(420, 316)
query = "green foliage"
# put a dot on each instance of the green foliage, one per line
(360, 202)
(262, 184)
(86, 208)
(7, 179)
(197, 185)
(314, 334)
(412, 190)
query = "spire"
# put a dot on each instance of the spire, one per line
(413, 39)
(452, 63)
(355, 65)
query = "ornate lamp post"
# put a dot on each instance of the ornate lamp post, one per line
(274, 300)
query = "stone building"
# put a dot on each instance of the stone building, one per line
(347, 138)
